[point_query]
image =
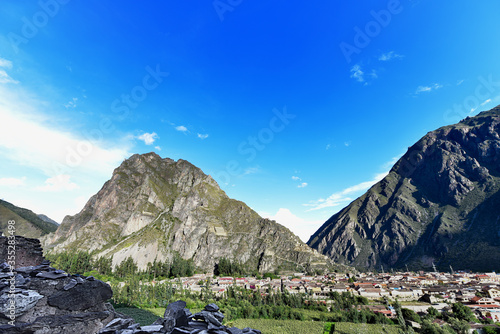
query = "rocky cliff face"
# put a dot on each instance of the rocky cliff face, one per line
(152, 208)
(440, 203)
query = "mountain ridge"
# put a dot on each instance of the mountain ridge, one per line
(28, 223)
(435, 205)
(154, 208)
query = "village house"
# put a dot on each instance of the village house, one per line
(482, 301)
(493, 292)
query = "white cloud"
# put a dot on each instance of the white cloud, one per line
(33, 140)
(202, 136)
(148, 138)
(299, 226)
(5, 63)
(347, 143)
(459, 82)
(72, 103)
(296, 178)
(342, 197)
(158, 148)
(302, 185)
(26, 140)
(5, 78)
(251, 170)
(485, 102)
(361, 76)
(357, 73)
(12, 181)
(424, 89)
(389, 56)
(58, 183)
(181, 128)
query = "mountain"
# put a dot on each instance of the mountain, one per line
(440, 203)
(28, 224)
(48, 220)
(154, 208)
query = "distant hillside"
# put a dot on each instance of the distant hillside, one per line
(28, 223)
(440, 203)
(48, 220)
(154, 208)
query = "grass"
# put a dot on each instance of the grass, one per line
(269, 326)
(144, 317)
(351, 328)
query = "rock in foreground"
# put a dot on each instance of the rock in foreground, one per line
(42, 300)
(179, 320)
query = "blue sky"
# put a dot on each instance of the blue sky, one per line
(295, 109)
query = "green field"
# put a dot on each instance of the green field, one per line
(351, 328)
(310, 327)
(268, 326)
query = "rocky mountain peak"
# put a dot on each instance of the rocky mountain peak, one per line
(436, 204)
(154, 208)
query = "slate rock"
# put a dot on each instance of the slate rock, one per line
(71, 284)
(218, 315)
(51, 275)
(42, 267)
(26, 271)
(181, 331)
(87, 322)
(4, 266)
(176, 311)
(6, 275)
(82, 296)
(116, 325)
(24, 301)
(198, 325)
(234, 330)
(152, 328)
(212, 307)
(18, 329)
(208, 318)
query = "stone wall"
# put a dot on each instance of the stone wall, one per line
(44, 300)
(28, 252)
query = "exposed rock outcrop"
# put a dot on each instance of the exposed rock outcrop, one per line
(153, 208)
(440, 203)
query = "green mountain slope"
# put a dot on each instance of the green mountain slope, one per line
(28, 224)
(440, 203)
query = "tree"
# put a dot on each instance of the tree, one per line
(462, 312)
(460, 326)
(103, 265)
(399, 314)
(126, 268)
(430, 328)
(410, 315)
(432, 312)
